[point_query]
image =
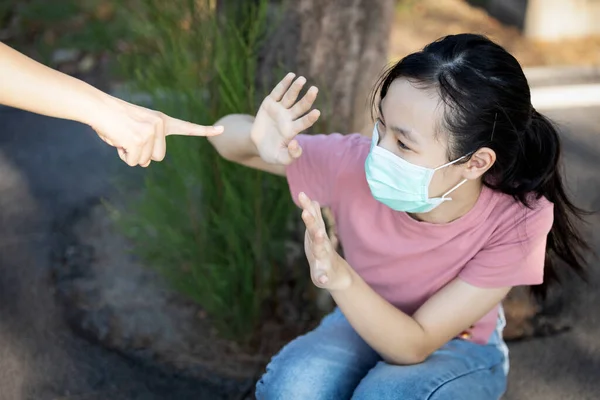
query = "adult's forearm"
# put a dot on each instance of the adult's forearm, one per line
(31, 86)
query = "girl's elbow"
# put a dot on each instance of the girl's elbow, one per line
(414, 356)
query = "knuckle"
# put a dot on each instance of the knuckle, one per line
(159, 156)
(159, 118)
(138, 140)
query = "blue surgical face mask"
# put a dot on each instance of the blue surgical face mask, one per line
(399, 184)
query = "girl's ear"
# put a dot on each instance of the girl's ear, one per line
(480, 162)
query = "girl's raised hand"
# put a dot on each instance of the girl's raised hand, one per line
(280, 118)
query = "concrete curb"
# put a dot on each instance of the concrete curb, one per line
(549, 76)
(565, 96)
(564, 87)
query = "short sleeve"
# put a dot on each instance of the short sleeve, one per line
(316, 171)
(516, 252)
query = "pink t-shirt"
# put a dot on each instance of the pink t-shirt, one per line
(498, 243)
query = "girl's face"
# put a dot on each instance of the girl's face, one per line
(409, 126)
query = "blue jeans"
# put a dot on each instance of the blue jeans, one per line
(333, 362)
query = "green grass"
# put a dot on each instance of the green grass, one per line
(216, 230)
(86, 25)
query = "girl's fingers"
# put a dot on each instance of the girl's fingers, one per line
(294, 149)
(320, 244)
(322, 278)
(305, 122)
(317, 236)
(319, 213)
(292, 93)
(309, 222)
(281, 88)
(305, 103)
(313, 208)
(303, 200)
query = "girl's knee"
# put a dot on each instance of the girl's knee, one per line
(326, 363)
(478, 385)
(386, 382)
(297, 379)
(319, 373)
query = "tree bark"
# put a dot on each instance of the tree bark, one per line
(340, 46)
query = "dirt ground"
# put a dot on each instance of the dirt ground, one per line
(425, 21)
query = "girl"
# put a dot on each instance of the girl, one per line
(455, 199)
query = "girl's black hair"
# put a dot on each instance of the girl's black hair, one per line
(488, 104)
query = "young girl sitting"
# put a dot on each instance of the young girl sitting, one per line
(455, 199)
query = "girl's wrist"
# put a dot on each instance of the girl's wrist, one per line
(345, 276)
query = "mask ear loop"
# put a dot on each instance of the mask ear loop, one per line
(453, 189)
(471, 153)
(452, 162)
(457, 186)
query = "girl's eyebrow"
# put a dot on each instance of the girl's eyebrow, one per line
(406, 133)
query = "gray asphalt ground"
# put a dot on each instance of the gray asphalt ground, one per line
(568, 366)
(49, 167)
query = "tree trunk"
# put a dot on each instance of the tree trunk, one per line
(340, 46)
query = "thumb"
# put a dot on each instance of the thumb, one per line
(294, 149)
(174, 126)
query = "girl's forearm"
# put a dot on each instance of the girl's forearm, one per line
(396, 336)
(235, 143)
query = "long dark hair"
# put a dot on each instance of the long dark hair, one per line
(482, 87)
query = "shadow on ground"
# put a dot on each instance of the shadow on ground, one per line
(566, 366)
(50, 167)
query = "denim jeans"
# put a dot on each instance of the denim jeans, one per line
(333, 362)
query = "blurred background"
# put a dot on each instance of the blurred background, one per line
(182, 280)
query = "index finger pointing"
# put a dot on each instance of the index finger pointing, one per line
(174, 126)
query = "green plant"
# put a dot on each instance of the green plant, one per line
(87, 25)
(215, 229)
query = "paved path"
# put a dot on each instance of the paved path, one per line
(568, 366)
(47, 167)
(50, 166)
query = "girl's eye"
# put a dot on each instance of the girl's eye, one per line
(402, 145)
